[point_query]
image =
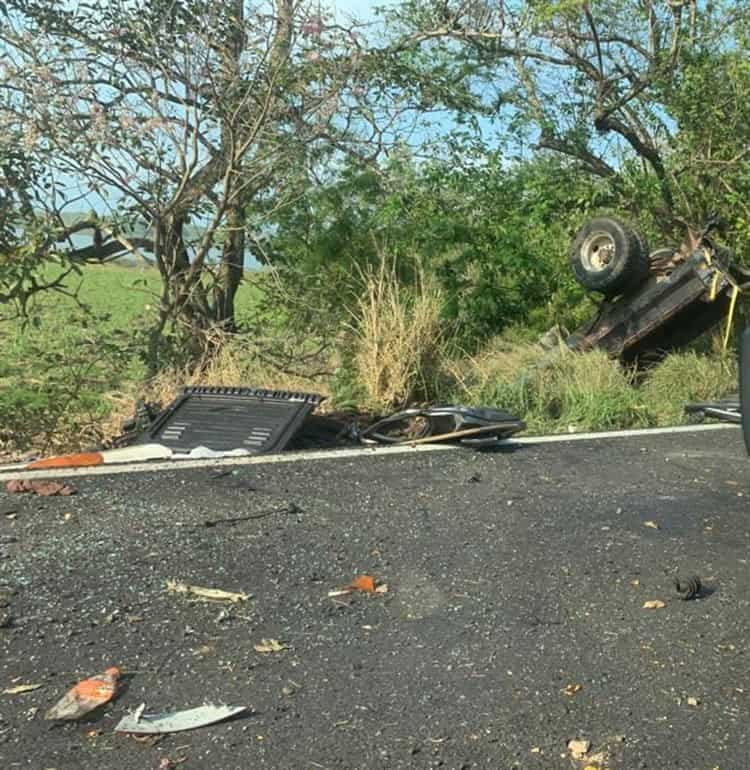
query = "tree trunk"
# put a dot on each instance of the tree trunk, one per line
(230, 271)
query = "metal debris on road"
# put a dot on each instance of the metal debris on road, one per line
(477, 427)
(86, 696)
(206, 594)
(290, 509)
(177, 721)
(689, 588)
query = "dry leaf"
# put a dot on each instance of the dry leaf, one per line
(21, 688)
(536, 750)
(635, 583)
(43, 488)
(269, 645)
(573, 688)
(651, 524)
(693, 701)
(205, 594)
(654, 604)
(578, 748)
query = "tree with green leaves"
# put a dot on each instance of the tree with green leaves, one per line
(605, 83)
(183, 123)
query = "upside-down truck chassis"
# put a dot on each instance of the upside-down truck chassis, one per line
(654, 301)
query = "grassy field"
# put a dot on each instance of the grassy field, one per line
(68, 378)
(65, 371)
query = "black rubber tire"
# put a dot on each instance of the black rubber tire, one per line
(745, 386)
(628, 265)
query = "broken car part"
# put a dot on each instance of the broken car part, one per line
(444, 423)
(727, 410)
(226, 418)
(675, 300)
(178, 721)
(745, 386)
(688, 588)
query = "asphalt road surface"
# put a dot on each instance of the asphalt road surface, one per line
(513, 623)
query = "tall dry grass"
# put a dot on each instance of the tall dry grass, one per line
(399, 336)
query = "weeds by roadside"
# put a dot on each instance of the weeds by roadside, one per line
(400, 340)
(68, 383)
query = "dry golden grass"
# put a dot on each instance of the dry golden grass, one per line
(233, 365)
(399, 337)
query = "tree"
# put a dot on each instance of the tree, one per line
(183, 123)
(593, 80)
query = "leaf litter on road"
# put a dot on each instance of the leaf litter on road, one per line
(201, 593)
(269, 645)
(21, 688)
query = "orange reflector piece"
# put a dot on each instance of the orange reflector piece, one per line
(79, 460)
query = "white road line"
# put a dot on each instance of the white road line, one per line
(8, 472)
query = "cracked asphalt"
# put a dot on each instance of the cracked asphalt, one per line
(513, 576)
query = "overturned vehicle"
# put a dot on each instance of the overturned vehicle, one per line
(654, 301)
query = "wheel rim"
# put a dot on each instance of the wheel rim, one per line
(597, 251)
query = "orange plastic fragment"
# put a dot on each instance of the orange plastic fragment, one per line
(364, 583)
(79, 460)
(86, 696)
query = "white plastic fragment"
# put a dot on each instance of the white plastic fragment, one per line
(176, 721)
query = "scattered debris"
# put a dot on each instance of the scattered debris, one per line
(43, 488)
(269, 645)
(651, 525)
(689, 588)
(471, 426)
(693, 701)
(177, 721)
(578, 748)
(206, 594)
(290, 509)
(726, 409)
(654, 604)
(21, 688)
(140, 453)
(365, 583)
(204, 453)
(224, 419)
(86, 696)
(573, 688)
(167, 763)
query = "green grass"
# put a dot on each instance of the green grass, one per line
(63, 370)
(571, 392)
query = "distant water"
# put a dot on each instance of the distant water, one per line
(85, 238)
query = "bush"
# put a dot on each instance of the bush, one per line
(56, 388)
